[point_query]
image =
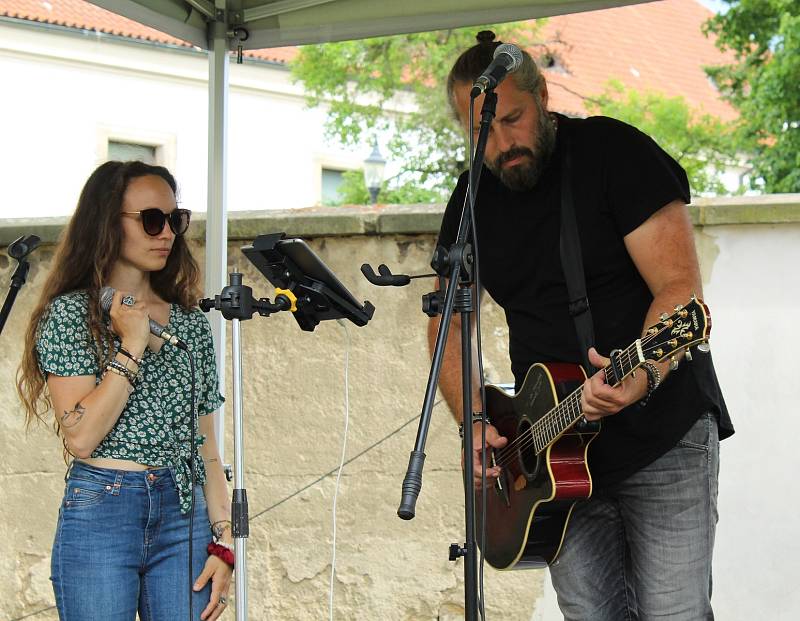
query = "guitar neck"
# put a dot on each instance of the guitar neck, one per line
(549, 427)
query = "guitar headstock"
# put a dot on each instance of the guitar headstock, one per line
(687, 326)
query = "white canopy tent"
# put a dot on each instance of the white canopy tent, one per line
(221, 26)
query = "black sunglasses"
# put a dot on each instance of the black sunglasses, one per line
(153, 220)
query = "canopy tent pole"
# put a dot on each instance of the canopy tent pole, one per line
(216, 263)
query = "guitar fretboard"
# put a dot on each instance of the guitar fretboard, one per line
(565, 414)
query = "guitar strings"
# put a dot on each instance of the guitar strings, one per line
(547, 421)
(550, 420)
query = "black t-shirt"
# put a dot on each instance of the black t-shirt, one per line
(620, 178)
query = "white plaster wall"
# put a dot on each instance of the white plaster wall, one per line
(61, 94)
(752, 288)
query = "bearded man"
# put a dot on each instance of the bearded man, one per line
(641, 546)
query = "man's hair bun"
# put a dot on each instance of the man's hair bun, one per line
(485, 37)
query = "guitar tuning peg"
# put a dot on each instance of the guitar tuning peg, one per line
(663, 317)
(704, 347)
(688, 354)
(678, 307)
(673, 363)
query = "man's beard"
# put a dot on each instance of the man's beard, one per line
(526, 174)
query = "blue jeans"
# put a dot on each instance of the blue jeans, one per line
(641, 550)
(121, 546)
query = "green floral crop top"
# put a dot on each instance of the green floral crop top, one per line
(153, 428)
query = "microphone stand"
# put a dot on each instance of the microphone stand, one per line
(457, 264)
(312, 293)
(19, 249)
(236, 303)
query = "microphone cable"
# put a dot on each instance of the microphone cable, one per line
(192, 465)
(342, 323)
(476, 266)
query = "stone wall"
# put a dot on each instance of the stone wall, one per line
(388, 569)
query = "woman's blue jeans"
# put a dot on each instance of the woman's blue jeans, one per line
(641, 550)
(122, 546)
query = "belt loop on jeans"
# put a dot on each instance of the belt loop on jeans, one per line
(117, 482)
(69, 469)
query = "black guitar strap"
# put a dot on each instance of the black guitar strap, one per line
(572, 263)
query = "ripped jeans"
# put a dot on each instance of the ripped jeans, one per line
(121, 547)
(641, 550)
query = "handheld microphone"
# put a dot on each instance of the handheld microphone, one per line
(507, 59)
(156, 329)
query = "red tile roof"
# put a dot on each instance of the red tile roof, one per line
(656, 46)
(87, 16)
(83, 15)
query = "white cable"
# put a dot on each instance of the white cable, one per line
(342, 323)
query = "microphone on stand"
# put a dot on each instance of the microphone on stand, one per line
(156, 329)
(507, 59)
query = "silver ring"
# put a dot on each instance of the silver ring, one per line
(128, 300)
(223, 600)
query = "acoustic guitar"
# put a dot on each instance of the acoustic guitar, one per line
(544, 467)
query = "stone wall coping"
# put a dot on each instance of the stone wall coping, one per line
(410, 219)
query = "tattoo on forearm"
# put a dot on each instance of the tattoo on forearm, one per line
(74, 416)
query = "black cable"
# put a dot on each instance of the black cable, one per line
(474, 235)
(33, 614)
(330, 472)
(192, 423)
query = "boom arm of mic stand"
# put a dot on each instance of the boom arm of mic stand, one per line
(412, 483)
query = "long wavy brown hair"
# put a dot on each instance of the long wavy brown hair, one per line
(85, 256)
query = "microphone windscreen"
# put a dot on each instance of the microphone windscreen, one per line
(106, 298)
(513, 51)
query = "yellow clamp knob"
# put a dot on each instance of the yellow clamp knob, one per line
(292, 298)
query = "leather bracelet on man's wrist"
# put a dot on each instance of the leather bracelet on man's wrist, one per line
(477, 417)
(653, 380)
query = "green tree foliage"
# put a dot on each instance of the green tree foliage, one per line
(701, 143)
(396, 85)
(353, 191)
(764, 84)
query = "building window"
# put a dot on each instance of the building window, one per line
(124, 144)
(125, 151)
(331, 182)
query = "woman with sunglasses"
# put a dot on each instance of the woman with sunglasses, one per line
(123, 408)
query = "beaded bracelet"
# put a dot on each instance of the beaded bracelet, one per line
(222, 552)
(115, 365)
(653, 380)
(121, 374)
(477, 417)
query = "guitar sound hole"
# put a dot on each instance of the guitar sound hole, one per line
(529, 461)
